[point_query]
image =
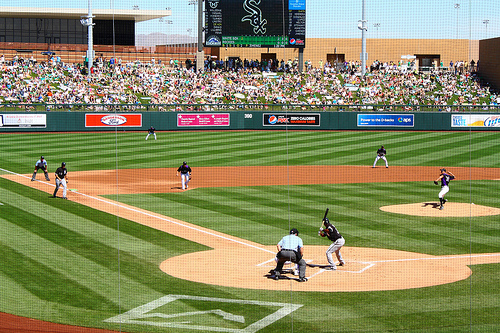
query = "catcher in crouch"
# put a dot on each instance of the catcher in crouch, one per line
(338, 241)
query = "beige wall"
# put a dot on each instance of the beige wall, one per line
(377, 49)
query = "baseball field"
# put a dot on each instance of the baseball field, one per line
(130, 251)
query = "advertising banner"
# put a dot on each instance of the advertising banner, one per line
(395, 120)
(113, 120)
(23, 120)
(203, 119)
(291, 119)
(475, 120)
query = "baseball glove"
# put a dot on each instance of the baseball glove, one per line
(436, 182)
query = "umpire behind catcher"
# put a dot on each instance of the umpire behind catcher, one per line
(291, 248)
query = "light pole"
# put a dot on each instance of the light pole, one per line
(189, 30)
(363, 28)
(376, 25)
(169, 47)
(457, 7)
(485, 22)
(87, 22)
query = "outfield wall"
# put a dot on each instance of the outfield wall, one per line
(246, 120)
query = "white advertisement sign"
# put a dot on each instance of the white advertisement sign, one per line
(475, 120)
(23, 120)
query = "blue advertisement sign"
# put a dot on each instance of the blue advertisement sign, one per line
(297, 5)
(396, 120)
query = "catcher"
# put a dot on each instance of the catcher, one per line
(381, 155)
(338, 241)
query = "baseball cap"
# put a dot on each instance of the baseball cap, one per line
(294, 231)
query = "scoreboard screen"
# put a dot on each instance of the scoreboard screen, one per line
(255, 23)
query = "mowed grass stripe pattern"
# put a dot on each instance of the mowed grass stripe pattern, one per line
(260, 213)
(95, 151)
(60, 252)
(115, 262)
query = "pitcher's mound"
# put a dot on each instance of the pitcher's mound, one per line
(451, 209)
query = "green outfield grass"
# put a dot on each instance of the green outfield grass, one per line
(67, 263)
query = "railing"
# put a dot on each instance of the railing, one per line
(14, 107)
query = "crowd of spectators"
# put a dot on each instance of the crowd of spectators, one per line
(25, 81)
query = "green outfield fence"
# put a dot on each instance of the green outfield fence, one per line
(137, 118)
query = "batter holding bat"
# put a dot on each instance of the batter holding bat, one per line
(338, 241)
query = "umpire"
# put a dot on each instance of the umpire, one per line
(291, 248)
(41, 164)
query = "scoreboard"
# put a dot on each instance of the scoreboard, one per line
(255, 23)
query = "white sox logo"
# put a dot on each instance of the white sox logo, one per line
(255, 16)
(214, 3)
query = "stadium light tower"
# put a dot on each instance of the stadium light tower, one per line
(363, 28)
(87, 22)
(485, 22)
(457, 7)
(376, 25)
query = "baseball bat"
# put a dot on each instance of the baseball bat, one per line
(324, 217)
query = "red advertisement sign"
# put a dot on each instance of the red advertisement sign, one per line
(113, 120)
(203, 119)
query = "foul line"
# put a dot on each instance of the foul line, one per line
(143, 212)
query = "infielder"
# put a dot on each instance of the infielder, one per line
(381, 155)
(185, 172)
(445, 179)
(338, 241)
(151, 130)
(291, 248)
(61, 179)
(41, 164)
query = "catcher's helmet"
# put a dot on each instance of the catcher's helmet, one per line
(63, 164)
(294, 231)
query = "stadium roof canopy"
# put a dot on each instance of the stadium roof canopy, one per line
(137, 15)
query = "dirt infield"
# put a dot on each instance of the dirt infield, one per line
(366, 269)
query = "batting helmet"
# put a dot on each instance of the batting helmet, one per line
(326, 220)
(294, 231)
(63, 164)
(184, 163)
(41, 157)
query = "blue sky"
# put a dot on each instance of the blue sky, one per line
(335, 18)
